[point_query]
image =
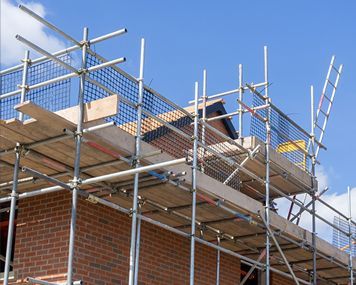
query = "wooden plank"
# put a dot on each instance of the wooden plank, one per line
(48, 118)
(68, 118)
(93, 111)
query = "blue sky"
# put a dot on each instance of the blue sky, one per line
(183, 37)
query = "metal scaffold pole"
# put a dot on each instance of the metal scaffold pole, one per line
(26, 63)
(350, 236)
(205, 98)
(135, 230)
(218, 259)
(314, 184)
(267, 179)
(241, 92)
(194, 185)
(78, 141)
(11, 227)
(138, 243)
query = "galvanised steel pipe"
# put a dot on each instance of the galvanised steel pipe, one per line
(270, 233)
(241, 93)
(134, 171)
(46, 53)
(229, 115)
(248, 274)
(27, 180)
(108, 36)
(26, 62)
(234, 91)
(43, 282)
(204, 119)
(313, 190)
(350, 237)
(335, 210)
(135, 235)
(308, 204)
(218, 257)
(48, 24)
(106, 64)
(138, 242)
(98, 127)
(11, 227)
(194, 184)
(76, 173)
(46, 178)
(267, 179)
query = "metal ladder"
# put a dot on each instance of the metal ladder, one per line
(321, 120)
(323, 112)
(291, 216)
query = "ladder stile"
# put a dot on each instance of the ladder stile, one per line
(320, 122)
(326, 118)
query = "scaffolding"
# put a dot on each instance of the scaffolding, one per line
(193, 145)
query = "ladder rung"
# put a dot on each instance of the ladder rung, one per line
(337, 71)
(318, 127)
(327, 98)
(332, 84)
(325, 114)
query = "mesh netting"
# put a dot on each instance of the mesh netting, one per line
(214, 165)
(286, 137)
(340, 240)
(53, 97)
(154, 131)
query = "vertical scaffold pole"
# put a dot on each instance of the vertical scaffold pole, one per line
(267, 181)
(11, 227)
(138, 243)
(26, 62)
(314, 190)
(76, 174)
(134, 230)
(241, 91)
(194, 185)
(205, 98)
(218, 256)
(350, 237)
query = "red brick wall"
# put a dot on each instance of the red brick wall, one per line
(42, 237)
(102, 247)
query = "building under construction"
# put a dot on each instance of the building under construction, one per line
(127, 187)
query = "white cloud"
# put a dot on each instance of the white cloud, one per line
(14, 21)
(337, 200)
